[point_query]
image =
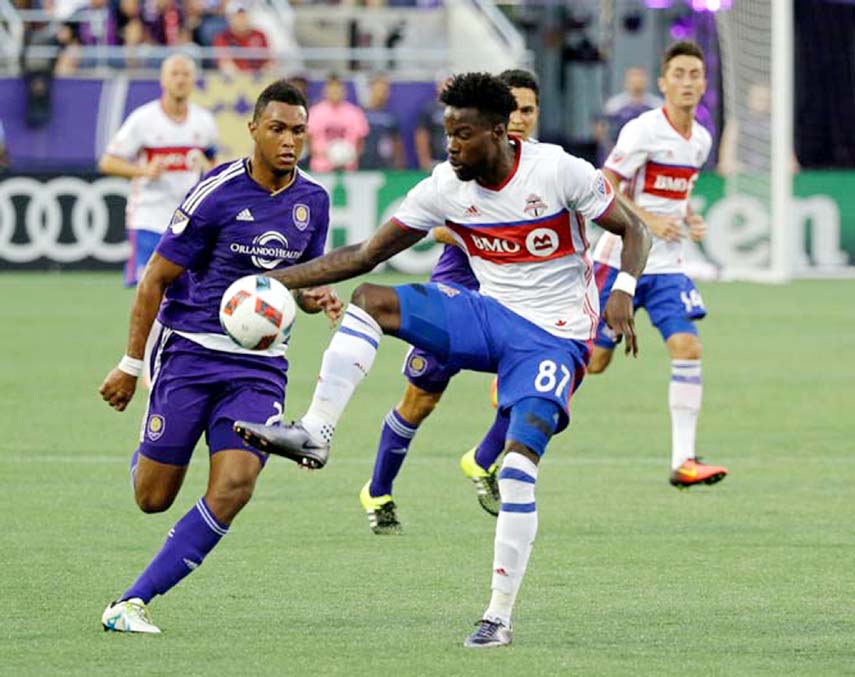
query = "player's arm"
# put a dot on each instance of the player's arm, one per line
(351, 261)
(119, 386)
(113, 165)
(661, 225)
(618, 313)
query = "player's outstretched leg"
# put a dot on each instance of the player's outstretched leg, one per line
(373, 310)
(479, 464)
(533, 421)
(684, 400)
(232, 479)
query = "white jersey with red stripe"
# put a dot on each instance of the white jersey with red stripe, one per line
(525, 239)
(659, 167)
(150, 134)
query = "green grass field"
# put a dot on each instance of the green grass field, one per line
(628, 576)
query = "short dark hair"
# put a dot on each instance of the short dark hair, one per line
(281, 91)
(682, 48)
(517, 77)
(484, 92)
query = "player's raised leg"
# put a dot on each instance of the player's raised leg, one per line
(684, 400)
(413, 312)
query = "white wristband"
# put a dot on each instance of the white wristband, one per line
(625, 283)
(131, 366)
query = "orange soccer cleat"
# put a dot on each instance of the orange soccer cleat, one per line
(694, 472)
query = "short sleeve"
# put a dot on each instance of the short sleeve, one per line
(187, 239)
(318, 241)
(127, 142)
(585, 188)
(630, 151)
(421, 207)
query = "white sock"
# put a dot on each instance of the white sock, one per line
(516, 528)
(684, 399)
(346, 362)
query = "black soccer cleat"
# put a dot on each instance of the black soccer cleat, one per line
(291, 441)
(488, 635)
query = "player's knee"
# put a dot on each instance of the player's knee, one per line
(229, 495)
(153, 501)
(379, 302)
(685, 347)
(600, 361)
(417, 404)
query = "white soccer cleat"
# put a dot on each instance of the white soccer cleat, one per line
(131, 615)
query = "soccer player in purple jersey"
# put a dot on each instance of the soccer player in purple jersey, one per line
(428, 377)
(246, 217)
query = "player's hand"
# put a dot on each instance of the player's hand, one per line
(697, 227)
(118, 389)
(323, 298)
(619, 316)
(669, 228)
(153, 170)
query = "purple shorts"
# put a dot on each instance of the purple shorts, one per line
(195, 390)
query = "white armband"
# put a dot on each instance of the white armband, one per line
(625, 283)
(131, 366)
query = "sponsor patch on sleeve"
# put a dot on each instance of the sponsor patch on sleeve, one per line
(179, 222)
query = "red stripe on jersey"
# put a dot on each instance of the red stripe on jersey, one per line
(173, 158)
(522, 242)
(670, 181)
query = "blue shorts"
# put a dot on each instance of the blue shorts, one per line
(671, 300)
(466, 330)
(143, 244)
(195, 390)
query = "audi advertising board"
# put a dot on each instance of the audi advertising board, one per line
(59, 221)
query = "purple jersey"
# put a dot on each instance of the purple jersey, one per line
(229, 226)
(453, 266)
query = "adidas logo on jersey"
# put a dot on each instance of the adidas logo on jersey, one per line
(472, 210)
(245, 215)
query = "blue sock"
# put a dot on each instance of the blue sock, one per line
(193, 537)
(395, 441)
(494, 442)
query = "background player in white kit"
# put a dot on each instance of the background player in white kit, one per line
(163, 147)
(656, 160)
(531, 323)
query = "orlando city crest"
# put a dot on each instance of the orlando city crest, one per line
(156, 424)
(301, 215)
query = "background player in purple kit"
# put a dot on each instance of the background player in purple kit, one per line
(428, 377)
(249, 216)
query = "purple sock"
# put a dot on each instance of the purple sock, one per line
(493, 443)
(395, 440)
(193, 537)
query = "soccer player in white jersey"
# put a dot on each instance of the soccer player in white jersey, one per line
(519, 211)
(656, 160)
(428, 378)
(163, 147)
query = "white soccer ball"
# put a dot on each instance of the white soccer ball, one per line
(257, 312)
(340, 153)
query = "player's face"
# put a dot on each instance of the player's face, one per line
(684, 81)
(471, 142)
(176, 77)
(524, 118)
(279, 134)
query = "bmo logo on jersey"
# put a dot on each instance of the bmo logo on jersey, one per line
(669, 181)
(542, 242)
(494, 244)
